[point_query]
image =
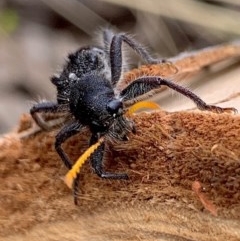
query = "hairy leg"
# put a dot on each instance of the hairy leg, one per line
(65, 133)
(107, 39)
(46, 107)
(75, 189)
(96, 161)
(95, 154)
(133, 92)
(116, 54)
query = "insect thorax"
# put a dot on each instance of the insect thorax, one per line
(88, 100)
(83, 62)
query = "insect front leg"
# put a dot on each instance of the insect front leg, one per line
(64, 134)
(140, 87)
(46, 107)
(95, 154)
(96, 161)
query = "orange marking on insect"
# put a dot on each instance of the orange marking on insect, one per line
(72, 174)
(142, 104)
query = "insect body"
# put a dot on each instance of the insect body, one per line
(86, 91)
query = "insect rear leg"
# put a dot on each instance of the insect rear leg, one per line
(96, 161)
(116, 54)
(45, 107)
(65, 133)
(107, 39)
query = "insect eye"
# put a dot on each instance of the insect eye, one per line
(114, 106)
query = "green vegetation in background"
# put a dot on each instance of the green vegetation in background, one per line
(9, 20)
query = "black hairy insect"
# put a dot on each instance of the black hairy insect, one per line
(86, 91)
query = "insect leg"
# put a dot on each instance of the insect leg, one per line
(45, 107)
(75, 188)
(107, 39)
(65, 133)
(95, 154)
(133, 92)
(97, 165)
(116, 54)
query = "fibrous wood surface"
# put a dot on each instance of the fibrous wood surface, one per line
(169, 156)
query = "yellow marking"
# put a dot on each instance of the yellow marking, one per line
(72, 174)
(142, 104)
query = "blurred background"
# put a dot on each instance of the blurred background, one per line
(36, 36)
